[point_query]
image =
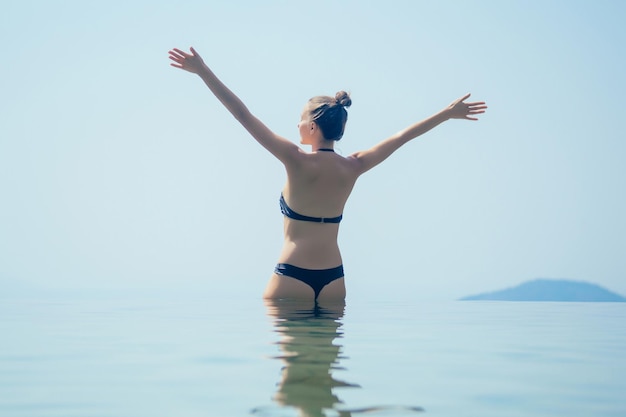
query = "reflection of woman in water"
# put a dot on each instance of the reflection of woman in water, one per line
(318, 182)
(307, 333)
(310, 351)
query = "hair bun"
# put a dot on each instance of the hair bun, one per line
(343, 99)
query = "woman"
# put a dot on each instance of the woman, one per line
(318, 182)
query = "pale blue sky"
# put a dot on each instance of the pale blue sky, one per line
(118, 171)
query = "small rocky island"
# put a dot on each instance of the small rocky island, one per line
(551, 290)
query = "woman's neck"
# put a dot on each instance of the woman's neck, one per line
(326, 146)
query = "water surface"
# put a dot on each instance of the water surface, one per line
(223, 357)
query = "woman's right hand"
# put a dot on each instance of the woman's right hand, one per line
(189, 62)
(459, 109)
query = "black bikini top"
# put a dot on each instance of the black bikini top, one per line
(287, 211)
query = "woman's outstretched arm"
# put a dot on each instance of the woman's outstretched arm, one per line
(458, 109)
(280, 147)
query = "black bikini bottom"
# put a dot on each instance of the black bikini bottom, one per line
(314, 278)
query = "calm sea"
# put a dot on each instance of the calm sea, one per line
(228, 357)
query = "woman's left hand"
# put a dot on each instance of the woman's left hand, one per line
(189, 62)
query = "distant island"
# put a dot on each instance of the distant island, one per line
(551, 290)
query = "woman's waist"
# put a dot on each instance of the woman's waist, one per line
(311, 242)
(310, 254)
